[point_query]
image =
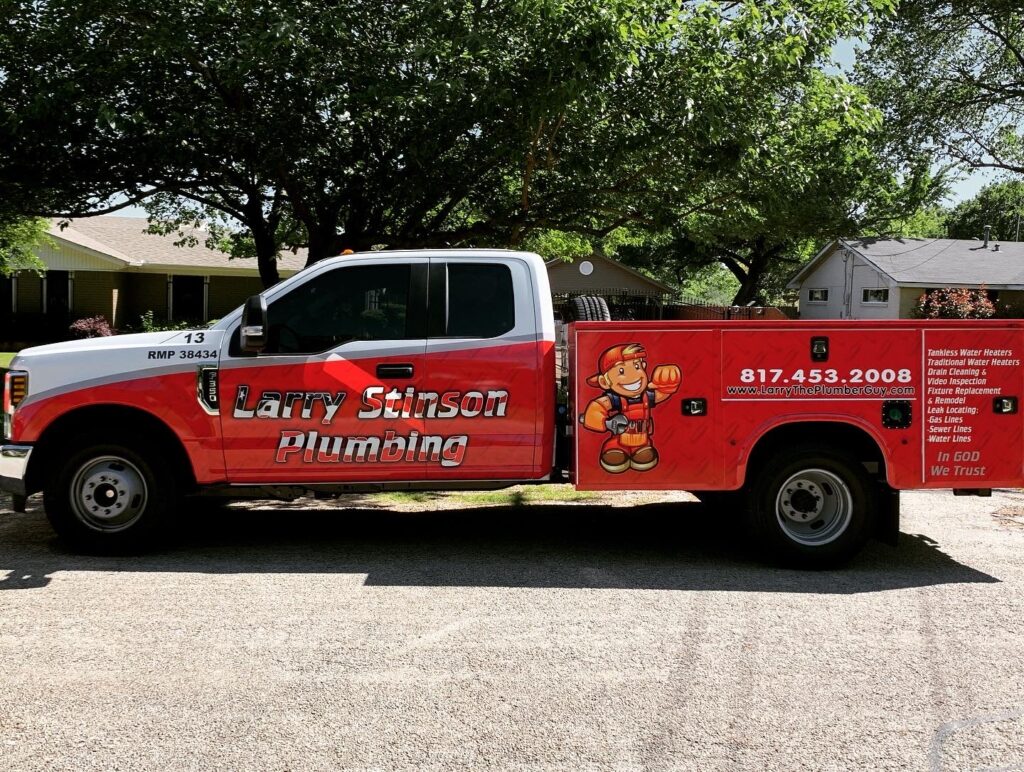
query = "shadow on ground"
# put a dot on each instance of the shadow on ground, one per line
(652, 547)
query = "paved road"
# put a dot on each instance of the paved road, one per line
(581, 637)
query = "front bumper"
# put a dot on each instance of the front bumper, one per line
(14, 468)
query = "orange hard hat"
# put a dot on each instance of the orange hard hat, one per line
(624, 352)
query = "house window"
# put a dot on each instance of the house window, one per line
(6, 297)
(188, 295)
(817, 296)
(875, 295)
(57, 294)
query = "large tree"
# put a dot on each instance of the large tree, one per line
(950, 76)
(999, 205)
(354, 124)
(823, 166)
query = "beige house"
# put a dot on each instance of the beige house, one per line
(600, 275)
(110, 266)
(883, 278)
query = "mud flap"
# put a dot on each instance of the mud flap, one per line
(887, 523)
(18, 503)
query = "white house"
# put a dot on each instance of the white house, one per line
(883, 278)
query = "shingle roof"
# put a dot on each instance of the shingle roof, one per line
(658, 285)
(937, 262)
(125, 238)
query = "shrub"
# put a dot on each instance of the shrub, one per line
(91, 327)
(147, 323)
(954, 303)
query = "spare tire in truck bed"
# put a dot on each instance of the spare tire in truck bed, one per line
(591, 308)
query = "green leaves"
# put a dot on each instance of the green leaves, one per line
(19, 238)
(950, 77)
(356, 124)
(999, 206)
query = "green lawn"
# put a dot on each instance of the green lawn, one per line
(6, 357)
(517, 496)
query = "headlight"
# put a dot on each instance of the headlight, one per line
(15, 391)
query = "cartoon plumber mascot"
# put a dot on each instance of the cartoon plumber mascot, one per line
(624, 409)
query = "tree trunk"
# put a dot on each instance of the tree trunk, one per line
(325, 241)
(321, 245)
(750, 285)
(266, 258)
(264, 237)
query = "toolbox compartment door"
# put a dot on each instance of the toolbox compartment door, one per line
(681, 427)
(967, 441)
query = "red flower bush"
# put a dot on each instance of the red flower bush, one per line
(92, 327)
(955, 303)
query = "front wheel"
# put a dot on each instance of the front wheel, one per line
(811, 507)
(110, 496)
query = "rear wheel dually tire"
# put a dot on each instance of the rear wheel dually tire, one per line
(110, 496)
(812, 508)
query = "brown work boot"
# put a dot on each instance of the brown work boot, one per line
(644, 458)
(614, 460)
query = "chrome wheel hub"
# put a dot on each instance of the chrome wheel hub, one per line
(814, 507)
(108, 493)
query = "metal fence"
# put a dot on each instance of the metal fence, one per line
(639, 307)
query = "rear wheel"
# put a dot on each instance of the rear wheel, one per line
(811, 507)
(111, 495)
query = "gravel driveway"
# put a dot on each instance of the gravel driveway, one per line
(583, 636)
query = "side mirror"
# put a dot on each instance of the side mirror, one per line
(253, 333)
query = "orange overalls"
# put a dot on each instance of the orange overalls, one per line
(641, 425)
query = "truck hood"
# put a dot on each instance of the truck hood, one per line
(78, 364)
(111, 343)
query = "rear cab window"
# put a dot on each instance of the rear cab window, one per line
(472, 300)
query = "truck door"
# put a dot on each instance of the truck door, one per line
(487, 372)
(328, 400)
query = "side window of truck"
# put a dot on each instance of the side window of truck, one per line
(481, 300)
(368, 302)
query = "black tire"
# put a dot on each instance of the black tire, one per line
(811, 508)
(111, 496)
(591, 309)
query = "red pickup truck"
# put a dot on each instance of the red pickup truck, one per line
(436, 370)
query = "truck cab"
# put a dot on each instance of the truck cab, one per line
(380, 370)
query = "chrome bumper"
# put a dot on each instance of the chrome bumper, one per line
(14, 468)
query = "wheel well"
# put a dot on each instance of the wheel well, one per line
(828, 434)
(104, 422)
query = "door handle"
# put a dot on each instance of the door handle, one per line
(394, 371)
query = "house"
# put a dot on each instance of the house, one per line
(600, 275)
(884, 278)
(110, 266)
